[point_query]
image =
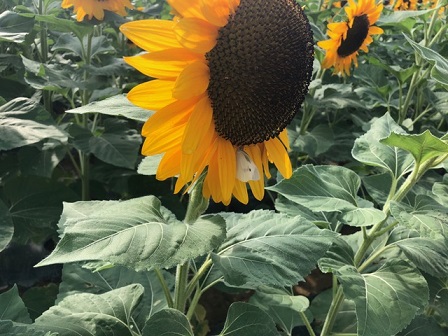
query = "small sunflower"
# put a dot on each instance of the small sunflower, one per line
(346, 38)
(96, 8)
(229, 77)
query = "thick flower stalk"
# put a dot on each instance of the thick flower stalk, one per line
(229, 77)
(347, 38)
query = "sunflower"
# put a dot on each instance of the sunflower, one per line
(96, 8)
(229, 77)
(346, 38)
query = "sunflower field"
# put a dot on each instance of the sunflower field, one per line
(223, 167)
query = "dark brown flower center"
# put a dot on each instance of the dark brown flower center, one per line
(356, 36)
(260, 70)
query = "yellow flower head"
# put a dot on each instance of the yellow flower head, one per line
(346, 38)
(96, 8)
(229, 76)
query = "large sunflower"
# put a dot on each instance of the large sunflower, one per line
(230, 75)
(96, 8)
(347, 38)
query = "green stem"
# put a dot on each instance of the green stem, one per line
(194, 302)
(165, 288)
(46, 95)
(198, 275)
(307, 323)
(332, 312)
(180, 299)
(372, 258)
(197, 204)
(432, 23)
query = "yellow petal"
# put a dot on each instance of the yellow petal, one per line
(227, 168)
(374, 30)
(162, 142)
(190, 8)
(197, 126)
(240, 192)
(169, 166)
(170, 116)
(216, 12)
(193, 81)
(196, 35)
(152, 95)
(278, 154)
(151, 35)
(163, 64)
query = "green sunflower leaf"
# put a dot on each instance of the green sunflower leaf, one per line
(118, 145)
(9, 328)
(68, 42)
(396, 17)
(429, 255)
(12, 307)
(149, 165)
(387, 300)
(90, 314)
(423, 146)
(168, 322)
(440, 70)
(339, 255)
(423, 325)
(137, 233)
(23, 122)
(244, 319)
(6, 226)
(15, 27)
(369, 150)
(330, 189)
(440, 189)
(267, 248)
(76, 279)
(427, 217)
(115, 106)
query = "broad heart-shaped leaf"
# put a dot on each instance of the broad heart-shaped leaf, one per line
(267, 248)
(369, 150)
(118, 145)
(429, 255)
(12, 307)
(68, 42)
(331, 189)
(440, 70)
(387, 300)
(378, 186)
(115, 106)
(283, 307)
(423, 146)
(427, 217)
(14, 27)
(23, 122)
(440, 189)
(6, 226)
(137, 233)
(244, 319)
(76, 279)
(168, 322)
(321, 188)
(93, 315)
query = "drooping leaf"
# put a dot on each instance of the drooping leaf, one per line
(76, 279)
(387, 300)
(23, 122)
(115, 106)
(340, 254)
(440, 70)
(6, 226)
(93, 315)
(244, 319)
(422, 146)
(423, 326)
(266, 248)
(15, 27)
(12, 307)
(369, 150)
(168, 322)
(35, 205)
(429, 255)
(119, 145)
(284, 308)
(138, 233)
(427, 217)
